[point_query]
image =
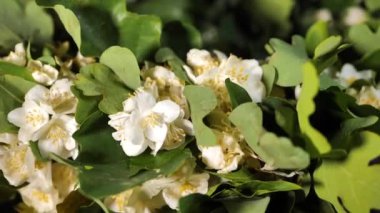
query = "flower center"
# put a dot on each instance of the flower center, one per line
(153, 119)
(34, 117)
(187, 187)
(238, 74)
(56, 133)
(41, 196)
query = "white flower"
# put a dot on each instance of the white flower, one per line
(323, 14)
(349, 75)
(167, 84)
(64, 179)
(56, 137)
(213, 72)
(182, 183)
(355, 15)
(17, 57)
(225, 156)
(53, 134)
(31, 117)
(40, 193)
(144, 122)
(135, 200)
(297, 91)
(44, 74)
(196, 183)
(16, 160)
(369, 95)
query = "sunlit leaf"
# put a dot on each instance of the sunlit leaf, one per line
(353, 180)
(306, 107)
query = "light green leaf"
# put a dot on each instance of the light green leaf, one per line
(288, 60)
(326, 46)
(11, 69)
(269, 77)
(12, 90)
(363, 39)
(372, 5)
(247, 206)
(23, 20)
(99, 80)
(140, 33)
(279, 153)
(122, 61)
(238, 95)
(353, 180)
(306, 107)
(248, 118)
(70, 22)
(315, 35)
(202, 101)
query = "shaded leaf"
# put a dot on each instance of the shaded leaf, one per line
(200, 203)
(202, 101)
(11, 69)
(12, 90)
(86, 106)
(70, 22)
(140, 33)
(176, 64)
(238, 95)
(21, 21)
(269, 77)
(247, 206)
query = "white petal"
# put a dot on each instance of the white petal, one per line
(129, 104)
(145, 101)
(168, 109)
(213, 157)
(132, 149)
(186, 125)
(156, 134)
(17, 117)
(37, 94)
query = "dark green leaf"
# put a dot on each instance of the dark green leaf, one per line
(200, 203)
(87, 105)
(238, 95)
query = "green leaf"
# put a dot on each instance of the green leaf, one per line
(99, 80)
(269, 77)
(140, 33)
(23, 20)
(202, 101)
(372, 5)
(364, 40)
(87, 105)
(325, 82)
(247, 206)
(353, 180)
(370, 60)
(176, 64)
(306, 107)
(248, 118)
(326, 46)
(288, 60)
(254, 188)
(70, 22)
(237, 94)
(349, 127)
(279, 153)
(96, 144)
(99, 181)
(315, 35)
(124, 64)
(11, 69)
(200, 203)
(12, 90)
